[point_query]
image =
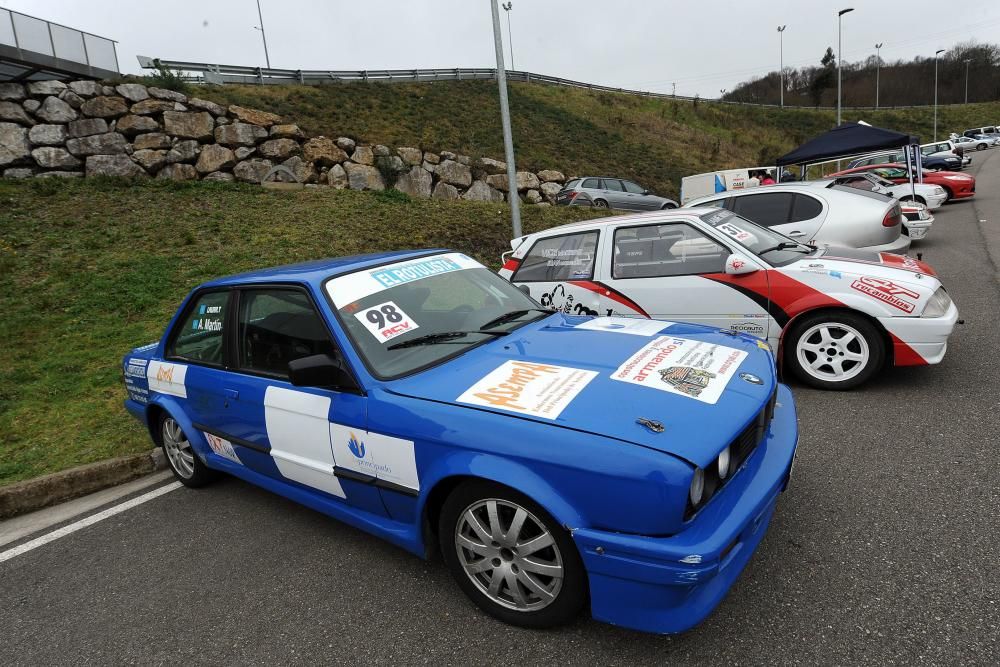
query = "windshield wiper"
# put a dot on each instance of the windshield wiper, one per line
(786, 245)
(443, 337)
(512, 315)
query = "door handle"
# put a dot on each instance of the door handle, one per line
(231, 394)
(796, 234)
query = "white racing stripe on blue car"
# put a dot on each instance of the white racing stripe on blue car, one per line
(298, 429)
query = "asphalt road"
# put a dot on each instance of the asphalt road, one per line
(885, 549)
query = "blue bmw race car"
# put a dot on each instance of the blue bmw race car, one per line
(555, 461)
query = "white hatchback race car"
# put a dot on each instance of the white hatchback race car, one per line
(835, 315)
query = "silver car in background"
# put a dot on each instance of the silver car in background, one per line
(836, 215)
(610, 192)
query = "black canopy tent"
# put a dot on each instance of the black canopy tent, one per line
(850, 139)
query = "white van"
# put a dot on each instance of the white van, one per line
(702, 185)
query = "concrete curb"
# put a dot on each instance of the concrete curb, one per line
(34, 494)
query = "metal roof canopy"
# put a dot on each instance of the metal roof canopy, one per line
(33, 49)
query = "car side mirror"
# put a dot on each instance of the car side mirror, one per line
(736, 265)
(646, 192)
(525, 289)
(320, 370)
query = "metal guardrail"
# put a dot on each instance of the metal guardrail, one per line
(33, 48)
(239, 74)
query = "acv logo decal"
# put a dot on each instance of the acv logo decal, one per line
(356, 446)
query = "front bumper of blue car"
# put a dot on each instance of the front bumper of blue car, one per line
(670, 584)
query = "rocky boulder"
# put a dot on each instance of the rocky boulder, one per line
(120, 166)
(416, 182)
(444, 191)
(18, 172)
(13, 92)
(169, 95)
(205, 105)
(12, 112)
(47, 135)
(85, 88)
(303, 171)
(110, 143)
(189, 125)
(153, 106)
(71, 98)
(286, 132)
(480, 191)
(525, 181)
(54, 110)
(533, 197)
(86, 127)
(323, 152)
(551, 176)
(363, 177)
(253, 170)
(336, 178)
(178, 172)
(183, 151)
(491, 166)
(214, 158)
(104, 107)
(239, 134)
(243, 152)
(150, 159)
(52, 157)
(45, 88)
(219, 176)
(133, 92)
(279, 149)
(550, 190)
(132, 125)
(363, 155)
(411, 156)
(454, 173)
(432, 158)
(60, 174)
(254, 116)
(152, 141)
(346, 144)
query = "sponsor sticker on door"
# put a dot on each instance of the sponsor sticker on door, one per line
(222, 447)
(691, 368)
(539, 390)
(386, 321)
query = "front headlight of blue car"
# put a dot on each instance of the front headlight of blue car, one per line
(938, 304)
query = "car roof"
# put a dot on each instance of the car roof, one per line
(320, 269)
(651, 216)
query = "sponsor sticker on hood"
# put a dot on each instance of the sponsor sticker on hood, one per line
(887, 292)
(539, 390)
(683, 366)
(625, 325)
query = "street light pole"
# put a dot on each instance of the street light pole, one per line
(967, 61)
(263, 36)
(936, 54)
(507, 6)
(840, 58)
(508, 141)
(781, 61)
(878, 66)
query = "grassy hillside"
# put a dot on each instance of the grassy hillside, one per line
(653, 141)
(90, 269)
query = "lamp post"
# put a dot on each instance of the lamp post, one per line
(878, 66)
(507, 6)
(260, 16)
(936, 54)
(508, 141)
(781, 62)
(840, 59)
(967, 61)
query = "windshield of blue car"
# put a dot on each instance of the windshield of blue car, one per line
(411, 315)
(761, 241)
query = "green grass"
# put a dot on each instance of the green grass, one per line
(90, 269)
(580, 132)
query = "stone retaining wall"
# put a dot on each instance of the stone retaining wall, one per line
(51, 129)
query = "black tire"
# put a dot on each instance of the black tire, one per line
(806, 332)
(600, 203)
(569, 598)
(668, 205)
(980, 147)
(189, 470)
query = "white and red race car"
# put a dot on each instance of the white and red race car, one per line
(835, 315)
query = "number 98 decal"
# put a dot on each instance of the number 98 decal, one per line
(386, 321)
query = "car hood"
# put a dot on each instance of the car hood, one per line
(564, 365)
(889, 264)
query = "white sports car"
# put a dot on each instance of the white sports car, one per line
(836, 315)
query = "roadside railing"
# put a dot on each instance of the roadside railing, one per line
(31, 35)
(223, 74)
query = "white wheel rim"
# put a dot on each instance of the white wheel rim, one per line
(178, 448)
(833, 352)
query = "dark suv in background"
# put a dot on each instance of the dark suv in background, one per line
(607, 192)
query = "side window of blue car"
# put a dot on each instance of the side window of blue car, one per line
(200, 336)
(277, 326)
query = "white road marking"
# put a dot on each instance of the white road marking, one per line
(88, 521)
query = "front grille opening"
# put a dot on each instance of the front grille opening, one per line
(740, 450)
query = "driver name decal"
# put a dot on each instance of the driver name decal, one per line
(691, 368)
(539, 390)
(887, 292)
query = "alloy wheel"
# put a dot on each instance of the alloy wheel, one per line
(509, 554)
(833, 351)
(178, 448)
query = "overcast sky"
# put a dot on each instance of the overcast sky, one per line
(703, 46)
